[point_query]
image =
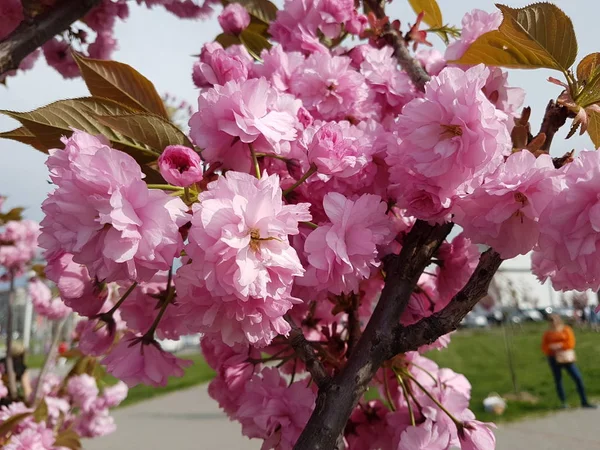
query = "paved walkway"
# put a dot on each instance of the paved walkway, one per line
(191, 420)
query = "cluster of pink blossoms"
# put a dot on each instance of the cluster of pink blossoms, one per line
(311, 165)
(77, 405)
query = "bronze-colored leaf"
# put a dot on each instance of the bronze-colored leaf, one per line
(8, 425)
(594, 128)
(49, 123)
(24, 136)
(588, 67)
(68, 439)
(433, 15)
(228, 39)
(538, 35)
(151, 130)
(121, 83)
(261, 9)
(41, 412)
(254, 43)
(13, 214)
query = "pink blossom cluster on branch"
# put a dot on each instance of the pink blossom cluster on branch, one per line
(313, 165)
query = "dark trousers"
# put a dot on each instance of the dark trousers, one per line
(573, 372)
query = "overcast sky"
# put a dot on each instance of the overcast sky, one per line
(161, 46)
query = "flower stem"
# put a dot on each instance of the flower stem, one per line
(121, 300)
(308, 173)
(272, 155)
(312, 225)
(164, 187)
(457, 422)
(388, 394)
(407, 396)
(254, 161)
(186, 195)
(166, 301)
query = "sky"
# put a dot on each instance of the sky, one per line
(161, 47)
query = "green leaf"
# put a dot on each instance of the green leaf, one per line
(588, 67)
(8, 425)
(24, 136)
(538, 35)
(594, 127)
(69, 439)
(151, 130)
(254, 43)
(228, 39)
(41, 412)
(49, 123)
(13, 214)
(121, 83)
(261, 9)
(433, 15)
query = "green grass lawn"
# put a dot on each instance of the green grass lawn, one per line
(481, 356)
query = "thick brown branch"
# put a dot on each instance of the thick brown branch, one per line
(353, 326)
(428, 330)
(336, 402)
(306, 353)
(411, 66)
(554, 118)
(30, 35)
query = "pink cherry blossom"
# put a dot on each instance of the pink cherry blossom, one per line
(569, 225)
(37, 437)
(329, 88)
(102, 202)
(278, 66)
(448, 142)
(234, 18)
(77, 290)
(504, 211)
(217, 66)
(457, 261)
(180, 165)
(273, 411)
(83, 390)
(439, 344)
(477, 435)
(296, 26)
(43, 302)
(239, 237)
(335, 153)
(368, 427)
(474, 24)
(427, 436)
(136, 360)
(113, 395)
(19, 244)
(232, 116)
(343, 252)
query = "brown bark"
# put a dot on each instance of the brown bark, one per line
(34, 33)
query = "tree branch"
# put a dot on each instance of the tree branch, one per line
(428, 330)
(306, 353)
(411, 66)
(336, 401)
(30, 35)
(353, 324)
(555, 117)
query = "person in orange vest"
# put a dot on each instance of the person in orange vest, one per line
(558, 344)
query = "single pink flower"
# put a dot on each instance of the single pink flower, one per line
(77, 290)
(102, 203)
(234, 18)
(448, 141)
(217, 66)
(135, 360)
(83, 390)
(477, 435)
(457, 261)
(344, 251)
(504, 211)
(233, 116)
(180, 165)
(474, 24)
(43, 302)
(329, 87)
(273, 411)
(568, 241)
(426, 436)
